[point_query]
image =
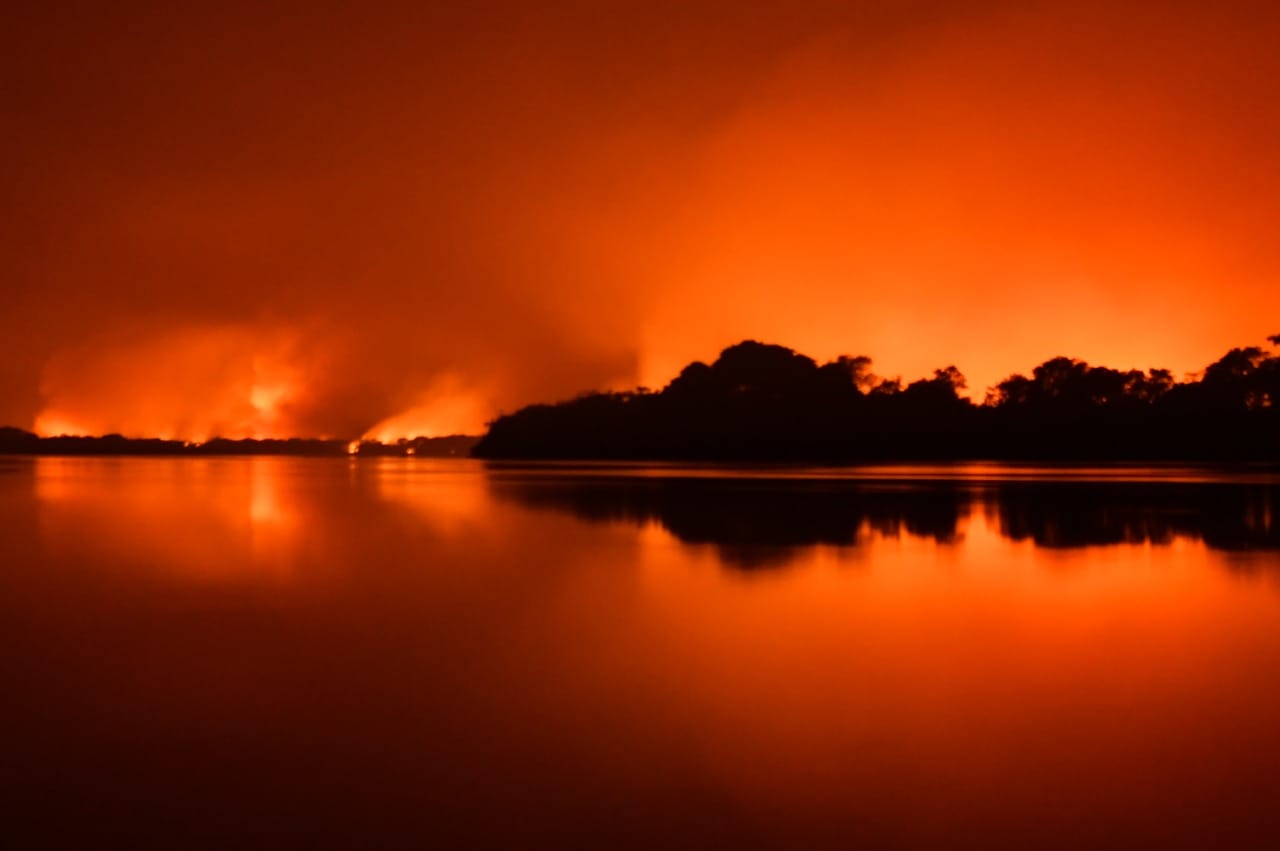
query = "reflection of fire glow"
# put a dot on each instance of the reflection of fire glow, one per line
(273, 525)
(218, 519)
(451, 500)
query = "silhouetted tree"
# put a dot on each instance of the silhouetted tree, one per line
(766, 402)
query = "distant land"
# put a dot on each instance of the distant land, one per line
(766, 402)
(763, 402)
(14, 441)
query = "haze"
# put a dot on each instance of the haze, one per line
(327, 220)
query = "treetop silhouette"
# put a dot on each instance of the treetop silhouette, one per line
(760, 401)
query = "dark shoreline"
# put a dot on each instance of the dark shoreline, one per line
(18, 442)
(765, 402)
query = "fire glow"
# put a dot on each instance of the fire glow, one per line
(923, 186)
(234, 382)
(190, 385)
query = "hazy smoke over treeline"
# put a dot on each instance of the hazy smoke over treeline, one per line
(262, 219)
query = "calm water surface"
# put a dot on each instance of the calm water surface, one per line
(281, 653)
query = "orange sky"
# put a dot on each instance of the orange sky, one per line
(322, 219)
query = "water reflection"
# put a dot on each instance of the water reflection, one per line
(319, 653)
(752, 523)
(1223, 516)
(210, 517)
(767, 522)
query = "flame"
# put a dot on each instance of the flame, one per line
(448, 407)
(234, 381)
(50, 424)
(266, 402)
(188, 384)
(275, 386)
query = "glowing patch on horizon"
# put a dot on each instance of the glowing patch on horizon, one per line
(191, 384)
(448, 407)
(51, 424)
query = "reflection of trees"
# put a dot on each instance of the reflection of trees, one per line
(770, 522)
(753, 523)
(1225, 517)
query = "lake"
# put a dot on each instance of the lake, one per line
(304, 653)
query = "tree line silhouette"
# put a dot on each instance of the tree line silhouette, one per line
(769, 403)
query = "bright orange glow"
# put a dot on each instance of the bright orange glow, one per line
(193, 384)
(448, 407)
(585, 200)
(185, 518)
(50, 425)
(273, 389)
(451, 500)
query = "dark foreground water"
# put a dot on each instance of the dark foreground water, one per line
(267, 653)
